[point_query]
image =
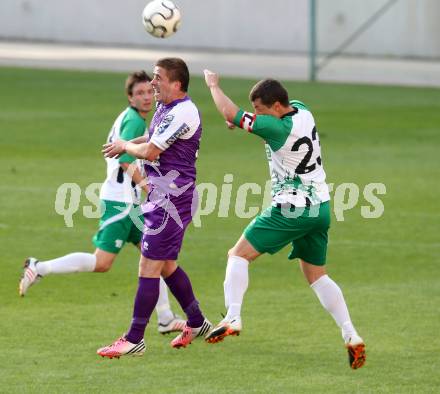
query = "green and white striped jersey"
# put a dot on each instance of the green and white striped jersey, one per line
(293, 152)
(118, 185)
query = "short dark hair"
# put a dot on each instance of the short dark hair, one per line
(133, 79)
(269, 91)
(177, 70)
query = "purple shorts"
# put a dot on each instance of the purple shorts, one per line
(165, 222)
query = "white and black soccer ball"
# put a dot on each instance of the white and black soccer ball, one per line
(161, 18)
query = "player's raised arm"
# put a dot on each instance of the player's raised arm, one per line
(223, 103)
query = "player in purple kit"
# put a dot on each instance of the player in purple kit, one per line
(171, 152)
(121, 219)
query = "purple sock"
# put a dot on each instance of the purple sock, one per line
(144, 304)
(180, 285)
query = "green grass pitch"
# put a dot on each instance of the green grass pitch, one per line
(52, 126)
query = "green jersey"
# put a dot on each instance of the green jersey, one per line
(293, 152)
(118, 185)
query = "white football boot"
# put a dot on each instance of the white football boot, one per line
(174, 325)
(30, 275)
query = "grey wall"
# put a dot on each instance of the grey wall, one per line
(409, 28)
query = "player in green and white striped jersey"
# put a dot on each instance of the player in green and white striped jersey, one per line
(122, 219)
(300, 213)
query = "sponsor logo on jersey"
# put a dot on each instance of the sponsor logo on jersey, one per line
(182, 130)
(164, 124)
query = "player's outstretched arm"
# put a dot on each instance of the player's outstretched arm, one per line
(147, 151)
(139, 140)
(223, 103)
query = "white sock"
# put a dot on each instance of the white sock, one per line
(163, 309)
(71, 263)
(235, 285)
(332, 299)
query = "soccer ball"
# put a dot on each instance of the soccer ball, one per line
(161, 18)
